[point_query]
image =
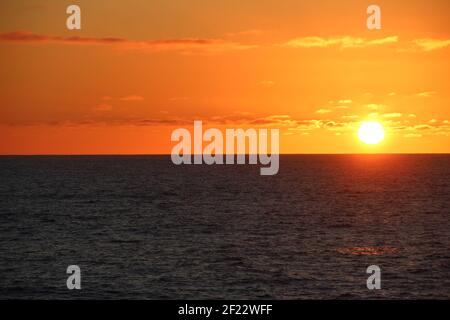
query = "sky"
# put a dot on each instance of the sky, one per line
(139, 69)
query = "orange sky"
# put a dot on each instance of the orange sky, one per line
(139, 69)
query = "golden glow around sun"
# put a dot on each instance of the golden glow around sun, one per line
(371, 132)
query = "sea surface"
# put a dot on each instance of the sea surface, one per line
(140, 227)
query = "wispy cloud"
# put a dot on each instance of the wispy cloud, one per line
(322, 111)
(132, 98)
(218, 45)
(341, 42)
(102, 107)
(286, 123)
(187, 45)
(429, 44)
(374, 106)
(346, 42)
(422, 127)
(426, 94)
(413, 135)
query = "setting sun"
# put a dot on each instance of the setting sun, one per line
(371, 132)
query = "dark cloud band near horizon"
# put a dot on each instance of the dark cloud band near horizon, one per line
(160, 44)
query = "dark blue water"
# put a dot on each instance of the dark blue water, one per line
(140, 227)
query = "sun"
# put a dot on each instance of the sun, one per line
(371, 132)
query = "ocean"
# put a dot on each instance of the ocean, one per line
(140, 227)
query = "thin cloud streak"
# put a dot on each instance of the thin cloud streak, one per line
(286, 123)
(187, 45)
(429, 44)
(199, 45)
(341, 42)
